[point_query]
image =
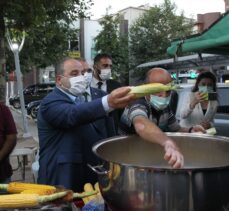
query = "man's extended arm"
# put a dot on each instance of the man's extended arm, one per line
(150, 132)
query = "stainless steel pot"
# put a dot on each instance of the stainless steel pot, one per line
(134, 175)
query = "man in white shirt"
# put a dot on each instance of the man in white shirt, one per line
(102, 73)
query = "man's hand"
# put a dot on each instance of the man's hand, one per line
(173, 155)
(150, 132)
(119, 98)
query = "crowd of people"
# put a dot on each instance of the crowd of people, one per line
(87, 106)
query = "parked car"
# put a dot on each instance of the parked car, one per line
(32, 93)
(221, 119)
(32, 108)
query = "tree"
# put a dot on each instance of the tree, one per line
(111, 41)
(152, 33)
(47, 26)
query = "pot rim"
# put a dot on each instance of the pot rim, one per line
(169, 168)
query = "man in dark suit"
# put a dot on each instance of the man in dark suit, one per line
(102, 80)
(68, 126)
(102, 73)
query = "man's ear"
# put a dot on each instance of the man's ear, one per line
(58, 80)
(96, 71)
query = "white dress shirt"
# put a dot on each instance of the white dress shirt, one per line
(94, 84)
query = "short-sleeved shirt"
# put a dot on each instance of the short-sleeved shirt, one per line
(7, 127)
(164, 119)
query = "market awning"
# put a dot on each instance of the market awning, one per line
(189, 62)
(214, 40)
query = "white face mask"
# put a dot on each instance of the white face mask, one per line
(105, 74)
(88, 78)
(78, 85)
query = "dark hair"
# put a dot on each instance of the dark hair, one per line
(59, 67)
(202, 75)
(99, 56)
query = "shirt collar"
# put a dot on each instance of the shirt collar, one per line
(95, 80)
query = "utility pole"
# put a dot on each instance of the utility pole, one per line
(16, 48)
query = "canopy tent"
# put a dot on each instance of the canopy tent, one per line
(189, 62)
(214, 40)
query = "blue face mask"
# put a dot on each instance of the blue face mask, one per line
(159, 103)
(205, 89)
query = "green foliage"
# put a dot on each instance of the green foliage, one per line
(111, 41)
(47, 25)
(152, 33)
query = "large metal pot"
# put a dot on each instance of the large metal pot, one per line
(134, 175)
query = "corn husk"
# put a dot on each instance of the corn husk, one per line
(151, 88)
(211, 131)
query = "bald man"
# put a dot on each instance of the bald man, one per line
(150, 116)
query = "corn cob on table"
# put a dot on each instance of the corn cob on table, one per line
(19, 195)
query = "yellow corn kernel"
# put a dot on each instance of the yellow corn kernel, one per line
(96, 186)
(40, 192)
(89, 188)
(18, 187)
(19, 200)
(151, 88)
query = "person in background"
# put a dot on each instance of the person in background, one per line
(150, 116)
(102, 73)
(8, 139)
(102, 68)
(201, 104)
(68, 126)
(87, 71)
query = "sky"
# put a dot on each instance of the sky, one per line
(190, 7)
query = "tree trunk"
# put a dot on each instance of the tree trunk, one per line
(2, 59)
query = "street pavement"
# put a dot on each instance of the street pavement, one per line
(23, 142)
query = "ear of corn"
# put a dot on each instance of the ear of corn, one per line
(96, 186)
(18, 187)
(211, 131)
(85, 199)
(19, 200)
(89, 188)
(38, 191)
(27, 200)
(116, 171)
(151, 88)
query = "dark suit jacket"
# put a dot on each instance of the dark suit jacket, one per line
(111, 85)
(67, 132)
